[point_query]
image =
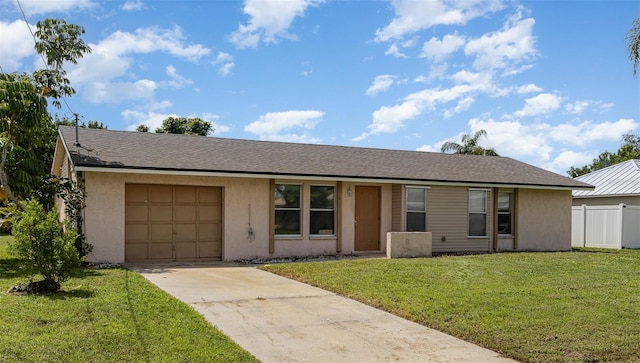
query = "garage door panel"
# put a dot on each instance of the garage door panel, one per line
(136, 232)
(185, 213)
(161, 250)
(136, 251)
(161, 193)
(161, 232)
(210, 249)
(161, 213)
(135, 193)
(185, 232)
(172, 222)
(136, 213)
(209, 195)
(209, 213)
(209, 231)
(186, 250)
(185, 194)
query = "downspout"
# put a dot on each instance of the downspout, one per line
(272, 216)
(338, 230)
(494, 216)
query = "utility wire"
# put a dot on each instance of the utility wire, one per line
(41, 56)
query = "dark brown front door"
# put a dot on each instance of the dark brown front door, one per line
(367, 222)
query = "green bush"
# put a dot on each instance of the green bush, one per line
(45, 245)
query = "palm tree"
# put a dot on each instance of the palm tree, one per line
(633, 37)
(469, 145)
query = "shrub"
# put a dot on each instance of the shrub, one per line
(46, 246)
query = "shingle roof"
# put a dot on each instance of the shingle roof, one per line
(618, 179)
(137, 150)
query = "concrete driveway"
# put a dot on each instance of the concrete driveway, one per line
(281, 320)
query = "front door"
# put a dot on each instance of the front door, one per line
(367, 221)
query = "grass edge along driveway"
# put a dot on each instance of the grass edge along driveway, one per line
(580, 306)
(110, 315)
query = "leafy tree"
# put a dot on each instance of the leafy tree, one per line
(630, 149)
(469, 145)
(633, 39)
(46, 245)
(26, 128)
(142, 128)
(184, 125)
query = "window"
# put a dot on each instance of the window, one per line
(287, 205)
(321, 211)
(504, 213)
(416, 209)
(478, 213)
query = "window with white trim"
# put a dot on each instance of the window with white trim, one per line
(416, 199)
(322, 210)
(288, 213)
(505, 213)
(477, 213)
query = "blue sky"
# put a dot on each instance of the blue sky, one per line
(549, 81)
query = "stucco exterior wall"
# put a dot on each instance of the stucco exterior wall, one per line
(544, 220)
(245, 206)
(245, 203)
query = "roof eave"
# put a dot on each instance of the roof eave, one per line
(346, 178)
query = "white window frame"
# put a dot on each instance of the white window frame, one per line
(299, 209)
(406, 206)
(333, 210)
(470, 212)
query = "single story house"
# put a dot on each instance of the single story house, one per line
(609, 215)
(178, 197)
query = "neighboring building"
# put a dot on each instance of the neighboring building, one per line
(609, 215)
(172, 197)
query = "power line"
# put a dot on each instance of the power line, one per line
(41, 56)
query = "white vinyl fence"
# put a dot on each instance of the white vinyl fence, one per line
(605, 226)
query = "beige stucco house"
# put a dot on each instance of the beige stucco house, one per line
(173, 197)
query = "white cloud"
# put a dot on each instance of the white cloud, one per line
(275, 125)
(577, 107)
(268, 21)
(462, 105)
(225, 63)
(393, 50)
(114, 92)
(16, 45)
(540, 104)
(380, 84)
(506, 48)
(412, 16)
(529, 88)
(37, 7)
(389, 119)
(566, 159)
(586, 132)
(112, 58)
(438, 50)
(177, 81)
(132, 5)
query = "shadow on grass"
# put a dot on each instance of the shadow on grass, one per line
(595, 250)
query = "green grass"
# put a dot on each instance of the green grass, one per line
(536, 307)
(112, 315)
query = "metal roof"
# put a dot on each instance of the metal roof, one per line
(108, 150)
(615, 180)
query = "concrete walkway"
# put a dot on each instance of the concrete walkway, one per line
(281, 320)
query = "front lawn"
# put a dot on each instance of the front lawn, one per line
(112, 315)
(581, 306)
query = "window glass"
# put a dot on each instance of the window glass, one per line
(416, 209)
(478, 213)
(504, 213)
(287, 209)
(321, 212)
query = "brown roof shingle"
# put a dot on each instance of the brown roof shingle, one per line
(136, 150)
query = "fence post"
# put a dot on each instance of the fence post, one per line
(583, 232)
(621, 207)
